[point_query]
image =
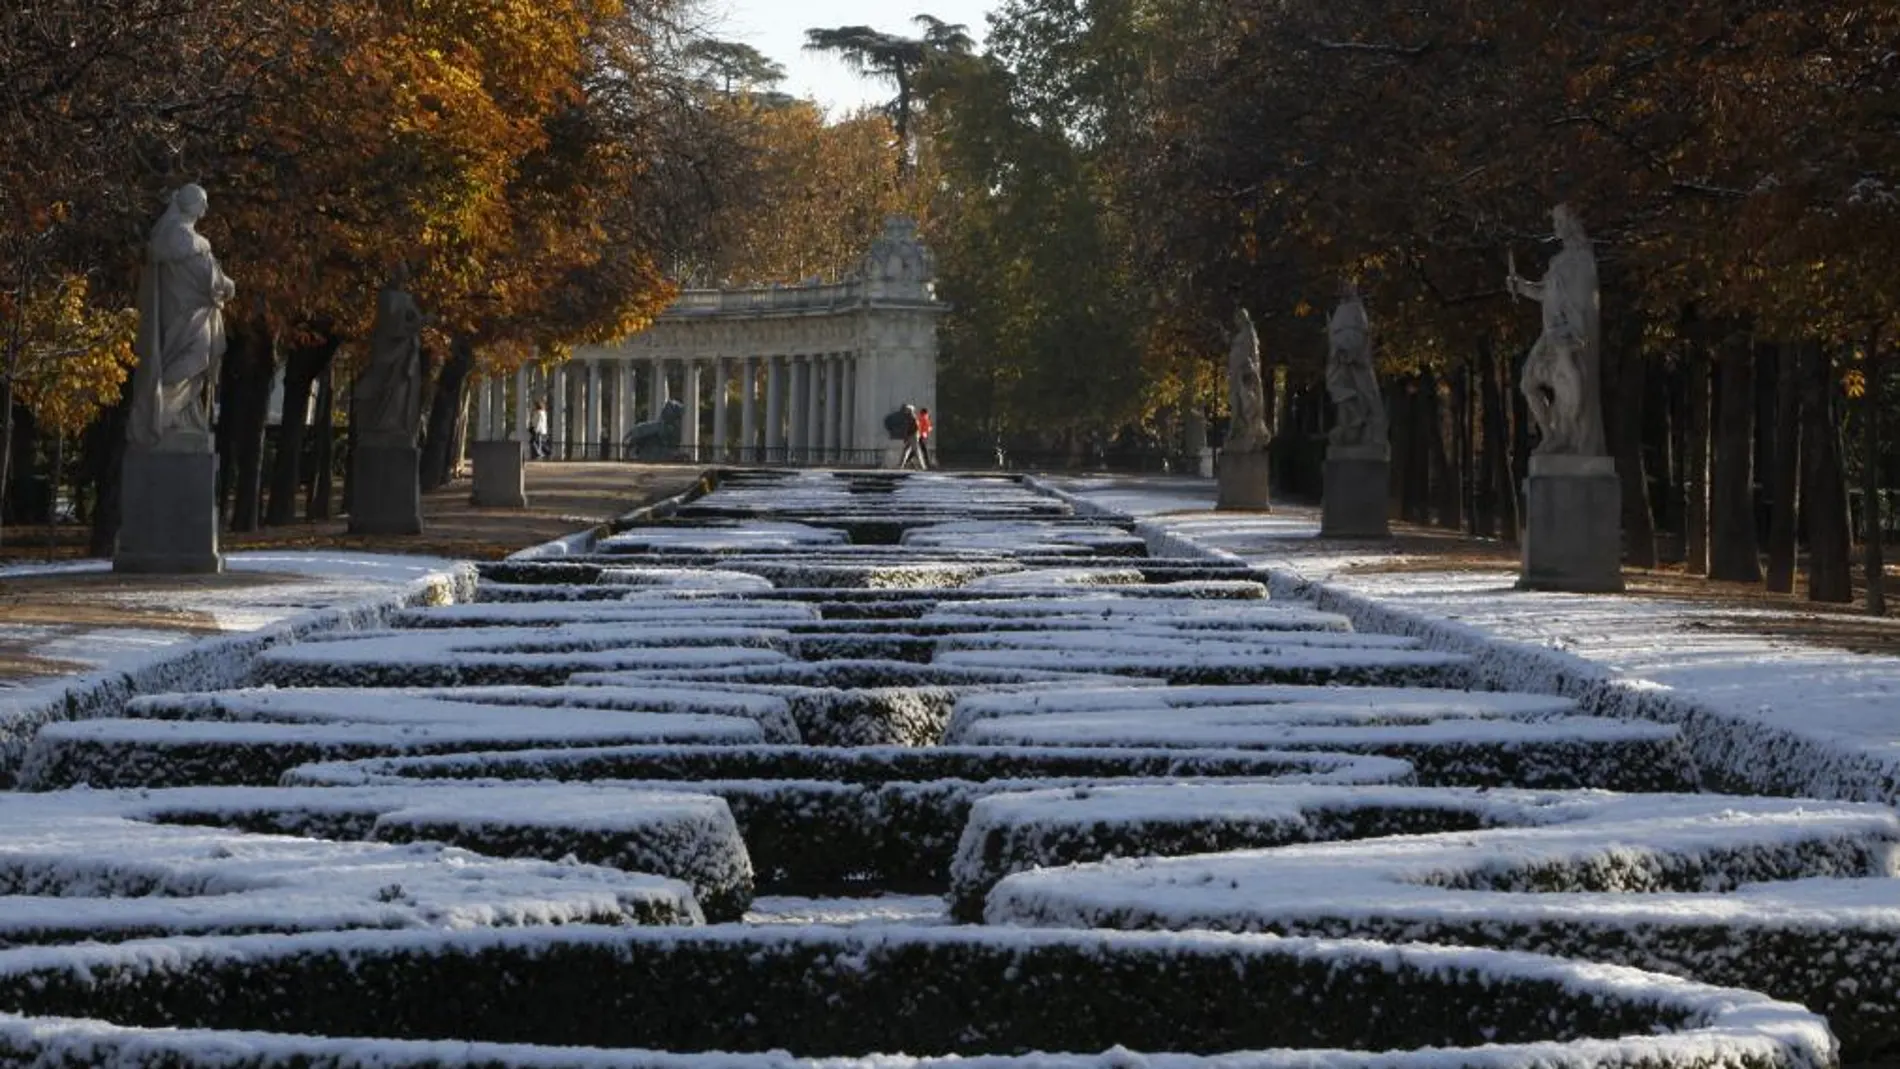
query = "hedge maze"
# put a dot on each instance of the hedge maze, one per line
(1127, 809)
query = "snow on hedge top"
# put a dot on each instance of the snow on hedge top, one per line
(1020, 537)
(80, 860)
(769, 614)
(1299, 704)
(1584, 855)
(1276, 727)
(1117, 610)
(1682, 1023)
(511, 654)
(711, 537)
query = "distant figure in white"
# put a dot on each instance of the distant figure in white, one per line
(389, 395)
(1359, 408)
(1561, 381)
(180, 338)
(1246, 397)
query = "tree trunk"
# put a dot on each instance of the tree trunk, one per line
(1784, 466)
(110, 453)
(1695, 465)
(1441, 426)
(1732, 550)
(1626, 437)
(301, 368)
(317, 505)
(249, 366)
(1830, 547)
(1871, 529)
(445, 414)
(1499, 439)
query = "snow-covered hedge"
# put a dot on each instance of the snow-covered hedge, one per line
(694, 613)
(1796, 898)
(1265, 664)
(253, 737)
(447, 657)
(100, 865)
(221, 661)
(855, 702)
(824, 820)
(1028, 536)
(1564, 752)
(688, 837)
(929, 993)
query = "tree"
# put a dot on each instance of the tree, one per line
(900, 59)
(731, 63)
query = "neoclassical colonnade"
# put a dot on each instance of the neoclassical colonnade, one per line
(777, 375)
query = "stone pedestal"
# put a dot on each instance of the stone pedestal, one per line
(1354, 501)
(1573, 537)
(385, 494)
(1204, 463)
(1243, 481)
(500, 477)
(168, 514)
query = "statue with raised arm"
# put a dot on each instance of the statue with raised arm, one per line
(1561, 378)
(1359, 408)
(180, 339)
(389, 393)
(1246, 395)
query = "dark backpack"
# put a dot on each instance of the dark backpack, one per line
(900, 424)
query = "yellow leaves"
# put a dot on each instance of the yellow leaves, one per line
(74, 357)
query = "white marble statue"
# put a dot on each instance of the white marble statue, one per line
(1561, 378)
(389, 392)
(1246, 396)
(180, 336)
(1358, 405)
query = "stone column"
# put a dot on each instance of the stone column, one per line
(689, 422)
(523, 404)
(774, 410)
(656, 395)
(617, 431)
(484, 410)
(749, 410)
(590, 427)
(801, 409)
(557, 414)
(848, 410)
(834, 403)
(720, 433)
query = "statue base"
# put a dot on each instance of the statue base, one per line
(1354, 503)
(168, 514)
(500, 477)
(1242, 479)
(1573, 534)
(385, 494)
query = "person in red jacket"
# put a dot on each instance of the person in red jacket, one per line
(923, 437)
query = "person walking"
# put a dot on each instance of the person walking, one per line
(923, 438)
(906, 421)
(538, 432)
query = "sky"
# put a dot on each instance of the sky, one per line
(777, 28)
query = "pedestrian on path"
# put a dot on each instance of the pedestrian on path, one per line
(538, 432)
(905, 420)
(923, 438)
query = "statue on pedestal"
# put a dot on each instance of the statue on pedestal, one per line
(1246, 396)
(1561, 378)
(180, 339)
(389, 393)
(1349, 376)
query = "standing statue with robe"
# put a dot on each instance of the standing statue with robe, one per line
(389, 394)
(1561, 375)
(1246, 394)
(1350, 381)
(180, 339)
